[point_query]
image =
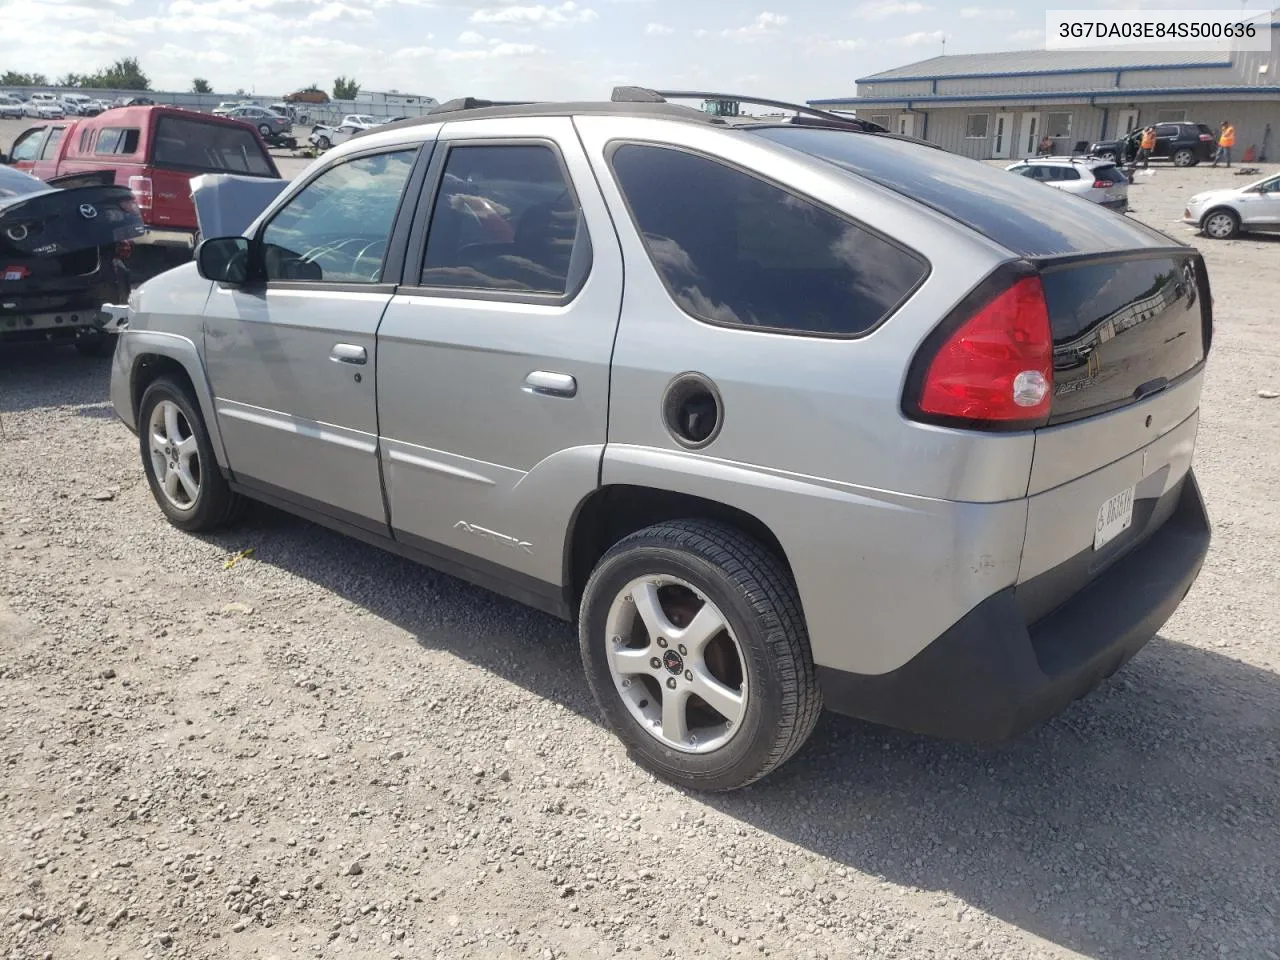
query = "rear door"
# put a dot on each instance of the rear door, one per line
(494, 356)
(292, 358)
(1166, 138)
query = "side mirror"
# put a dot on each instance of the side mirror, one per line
(225, 259)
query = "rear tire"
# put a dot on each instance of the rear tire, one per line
(265, 130)
(1107, 155)
(719, 614)
(177, 456)
(1184, 158)
(1220, 224)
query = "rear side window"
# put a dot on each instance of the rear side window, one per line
(734, 249)
(506, 219)
(196, 145)
(51, 145)
(117, 140)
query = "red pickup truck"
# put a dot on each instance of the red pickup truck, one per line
(154, 151)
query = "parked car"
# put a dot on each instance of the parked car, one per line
(1100, 181)
(323, 136)
(11, 106)
(1221, 214)
(226, 106)
(268, 122)
(61, 259)
(44, 106)
(79, 105)
(1185, 144)
(155, 151)
(751, 506)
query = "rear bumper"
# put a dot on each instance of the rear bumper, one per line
(992, 676)
(181, 239)
(1120, 206)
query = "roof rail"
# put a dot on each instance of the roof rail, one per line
(473, 103)
(645, 95)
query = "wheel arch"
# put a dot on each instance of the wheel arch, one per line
(151, 355)
(614, 511)
(1222, 208)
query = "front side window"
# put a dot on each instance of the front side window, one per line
(51, 144)
(975, 127)
(1058, 125)
(27, 146)
(505, 219)
(336, 228)
(733, 249)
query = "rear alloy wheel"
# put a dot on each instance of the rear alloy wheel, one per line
(1184, 158)
(265, 130)
(177, 456)
(1221, 224)
(696, 651)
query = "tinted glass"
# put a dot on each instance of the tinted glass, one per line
(337, 227)
(1109, 174)
(1016, 214)
(734, 249)
(51, 145)
(196, 145)
(117, 140)
(505, 219)
(27, 146)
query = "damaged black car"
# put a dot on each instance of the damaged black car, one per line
(64, 252)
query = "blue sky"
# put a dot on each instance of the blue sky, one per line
(564, 49)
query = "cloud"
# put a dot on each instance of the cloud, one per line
(537, 15)
(876, 10)
(1027, 36)
(494, 52)
(470, 36)
(919, 39)
(331, 12)
(987, 13)
(658, 29)
(765, 24)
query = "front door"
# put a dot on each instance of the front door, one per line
(907, 124)
(1029, 134)
(1126, 123)
(494, 354)
(1002, 136)
(292, 359)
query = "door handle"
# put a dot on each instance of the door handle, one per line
(348, 353)
(547, 384)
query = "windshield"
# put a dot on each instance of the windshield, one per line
(15, 183)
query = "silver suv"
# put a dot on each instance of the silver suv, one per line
(783, 413)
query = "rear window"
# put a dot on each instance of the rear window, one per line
(1109, 174)
(117, 140)
(736, 250)
(1019, 215)
(1202, 128)
(197, 145)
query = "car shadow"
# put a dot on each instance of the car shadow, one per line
(1141, 822)
(33, 373)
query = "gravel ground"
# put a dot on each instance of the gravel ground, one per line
(324, 750)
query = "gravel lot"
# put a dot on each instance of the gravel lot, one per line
(324, 750)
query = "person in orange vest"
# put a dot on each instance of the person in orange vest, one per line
(1226, 140)
(1146, 146)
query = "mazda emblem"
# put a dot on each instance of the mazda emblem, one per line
(88, 211)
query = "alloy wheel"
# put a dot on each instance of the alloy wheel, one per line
(1220, 226)
(175, 455)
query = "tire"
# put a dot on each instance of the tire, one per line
(1221, 224)
(1184, 158)
(213, 504)
(265, 130)
(322, 143)
(95, 344)
(699, 566)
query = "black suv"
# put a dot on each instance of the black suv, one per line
(1186, 144)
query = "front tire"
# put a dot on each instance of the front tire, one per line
(177, 456)
(265, 130)
(696, 651)
(1221, 224)
(322, 143)
(1184, 158)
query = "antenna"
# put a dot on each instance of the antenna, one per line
(944, 44)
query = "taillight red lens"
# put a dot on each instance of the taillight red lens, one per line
(1102, 184)
(996, 367)
(1206, 138)
(143, 192)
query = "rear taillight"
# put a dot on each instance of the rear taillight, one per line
(1206, 138)
(990, 364)
(143, 192)
(1102, 184)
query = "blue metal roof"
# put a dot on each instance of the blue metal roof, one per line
(1115, 93)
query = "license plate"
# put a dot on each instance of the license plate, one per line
(1114, 518)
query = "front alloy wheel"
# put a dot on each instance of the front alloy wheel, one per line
(1221, 225)
(175, 455)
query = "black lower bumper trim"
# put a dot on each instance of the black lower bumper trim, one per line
(993, 677)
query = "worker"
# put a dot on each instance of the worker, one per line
(1147, 144)
(1226, 140)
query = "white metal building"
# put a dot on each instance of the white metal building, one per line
(999, 105)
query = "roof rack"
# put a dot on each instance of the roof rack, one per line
(474, 103)
(645, 95)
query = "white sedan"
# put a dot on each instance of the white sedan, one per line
(10, 106)
(44, 110)
(323, 135)
(1221, 214)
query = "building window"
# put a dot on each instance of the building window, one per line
(975, 127)
(883, 120)
(1058, 126)
(1171, 116)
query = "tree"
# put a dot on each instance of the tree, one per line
(12, 78)
(345, 89)
(124, 74)
(201, 85)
